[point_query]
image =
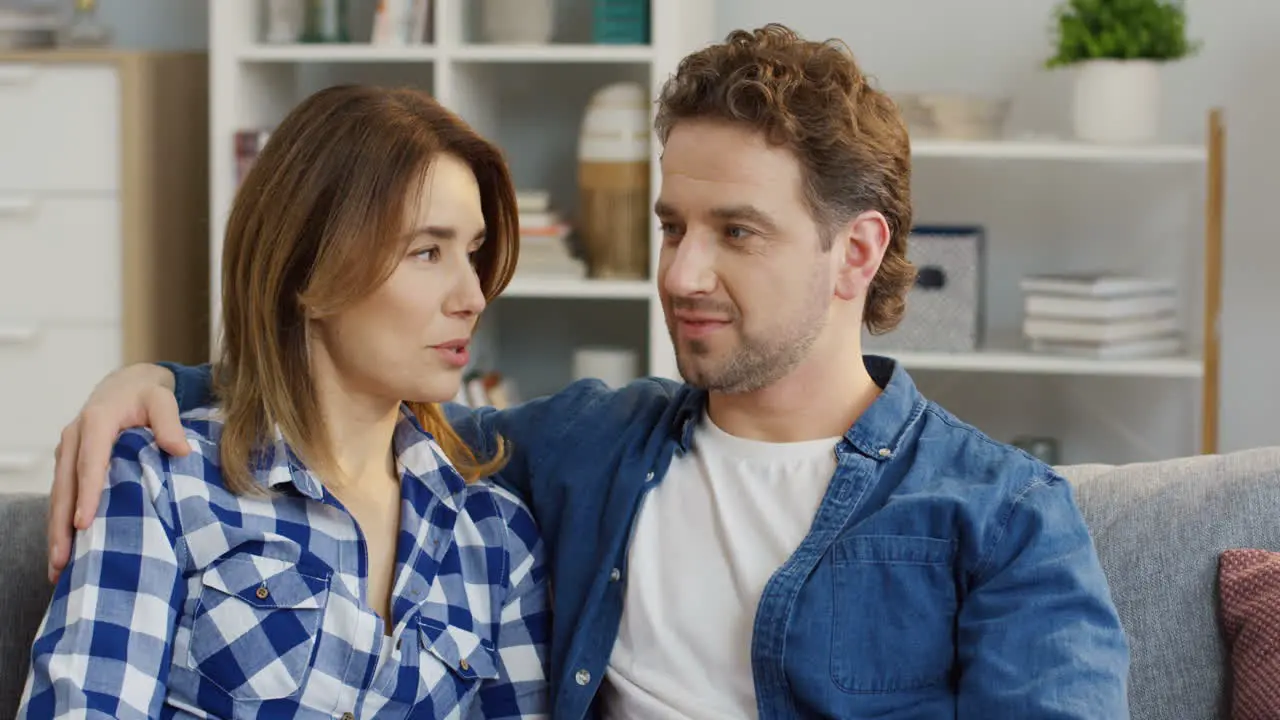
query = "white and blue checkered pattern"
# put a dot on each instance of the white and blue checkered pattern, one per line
(184, 600)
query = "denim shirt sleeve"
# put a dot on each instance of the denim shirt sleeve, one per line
(530, 431)
(192, 384)
(1039, 635)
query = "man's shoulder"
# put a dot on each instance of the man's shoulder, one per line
(962, 453)
(586, 401)
(593, 397)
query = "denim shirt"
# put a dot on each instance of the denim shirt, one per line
(944, 575)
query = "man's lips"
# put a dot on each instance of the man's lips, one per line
(699, 326)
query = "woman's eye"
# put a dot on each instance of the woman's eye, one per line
(430, 254)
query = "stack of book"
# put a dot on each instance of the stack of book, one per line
(544, 247)
(1100, 315)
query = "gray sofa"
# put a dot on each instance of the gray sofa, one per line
(1158, 526)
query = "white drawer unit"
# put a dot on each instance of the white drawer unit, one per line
(104, 250)
(59, 126)
(46, 372)
(66, 258)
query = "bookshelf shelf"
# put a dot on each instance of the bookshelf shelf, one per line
(1028, 363)
(475, 53)
(541, 287)
(565, 53)
(337, 53)
(1059, 150)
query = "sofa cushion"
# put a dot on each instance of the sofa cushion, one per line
(24, 590)
(1159, 529)
(1249, 595)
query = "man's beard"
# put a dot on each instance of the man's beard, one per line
(755, 362)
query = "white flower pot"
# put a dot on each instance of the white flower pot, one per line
(1117, 101)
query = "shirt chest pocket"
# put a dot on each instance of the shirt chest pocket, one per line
(450, 654)
(894, 613)
(253, 632)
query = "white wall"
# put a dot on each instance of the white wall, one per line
(996, 46)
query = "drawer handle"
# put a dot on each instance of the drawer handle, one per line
(17, 335)
(16, 205)
(12, 74)
(18, 462)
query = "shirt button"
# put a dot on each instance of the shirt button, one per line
(648, 477)
(583, 677)
(615, 575)
(464, 665)
(885, 452)
(348, 716)
(262, 593)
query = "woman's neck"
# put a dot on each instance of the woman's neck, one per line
(359, 431)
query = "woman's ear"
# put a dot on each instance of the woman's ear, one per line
(858, 249)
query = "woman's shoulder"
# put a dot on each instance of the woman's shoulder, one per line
(138, 453)
(501, 515)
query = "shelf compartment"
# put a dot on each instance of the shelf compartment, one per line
(568, 288)
(1063, 150)
(338, 53)
(1011, 361)
(553, 53)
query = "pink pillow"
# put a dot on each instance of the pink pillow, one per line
(1249, 598)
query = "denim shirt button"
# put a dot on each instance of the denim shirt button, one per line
(649, 477)
(885, 452)
(615, 575)
(582, 677)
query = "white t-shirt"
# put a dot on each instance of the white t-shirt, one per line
(708, 539)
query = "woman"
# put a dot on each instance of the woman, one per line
(328, 548)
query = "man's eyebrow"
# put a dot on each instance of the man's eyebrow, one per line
(662, 209)
(745, 213)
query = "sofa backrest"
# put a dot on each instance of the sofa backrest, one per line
(1159, 528)
(24, 590)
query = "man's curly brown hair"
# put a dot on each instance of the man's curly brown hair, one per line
(849, 137)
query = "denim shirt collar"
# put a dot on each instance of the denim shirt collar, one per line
(877, 433)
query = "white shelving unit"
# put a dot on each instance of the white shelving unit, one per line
(1142, 166)
(528, 98)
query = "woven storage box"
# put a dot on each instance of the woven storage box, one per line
(945, 307)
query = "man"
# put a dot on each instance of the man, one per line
(796, 531)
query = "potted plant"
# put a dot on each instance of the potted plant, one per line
(1116, 48)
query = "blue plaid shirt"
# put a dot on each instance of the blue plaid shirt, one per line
(184, 600)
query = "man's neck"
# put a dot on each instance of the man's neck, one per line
(821, 398)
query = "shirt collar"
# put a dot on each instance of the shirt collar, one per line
(418, 458)
(877, 433)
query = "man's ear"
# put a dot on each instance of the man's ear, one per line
(859, 247)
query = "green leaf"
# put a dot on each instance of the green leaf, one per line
(1120, 30)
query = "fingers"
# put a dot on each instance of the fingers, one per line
(162, 416)
(62, 500)
(98, 431)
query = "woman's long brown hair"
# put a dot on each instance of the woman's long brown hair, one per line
(317, 225)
